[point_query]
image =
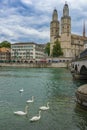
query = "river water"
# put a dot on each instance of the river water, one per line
(53, 85)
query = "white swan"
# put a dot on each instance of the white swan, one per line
(45, 107)
(32, 100)
(36, 118)
(21, 113)
(21, 90)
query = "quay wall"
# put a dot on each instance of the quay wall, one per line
(81, 96)
(33, 65)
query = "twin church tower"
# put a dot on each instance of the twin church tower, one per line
(71, 44)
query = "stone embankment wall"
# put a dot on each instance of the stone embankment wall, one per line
(81, 96)
(33, 65)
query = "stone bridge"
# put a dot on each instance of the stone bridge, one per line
(80, 66)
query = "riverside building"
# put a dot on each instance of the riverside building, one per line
(27, 52)
(5, 54)
(71, 44)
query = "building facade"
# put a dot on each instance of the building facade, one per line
(5, 54)
(71, 44)
(27, 52)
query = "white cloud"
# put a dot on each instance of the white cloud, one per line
(27, 2)
(17, 26)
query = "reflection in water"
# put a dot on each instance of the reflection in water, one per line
(6, 109)
(80, 118)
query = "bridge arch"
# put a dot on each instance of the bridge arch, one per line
(83, 70)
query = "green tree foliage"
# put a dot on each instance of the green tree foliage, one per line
(57, 51)
(47, 48)
(5, 44)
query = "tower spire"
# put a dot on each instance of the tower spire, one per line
(66, 9)
(65, 2)
(55, 15)
(84, 29)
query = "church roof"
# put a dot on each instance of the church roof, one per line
(76, 36)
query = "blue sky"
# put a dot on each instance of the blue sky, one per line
(29, 20)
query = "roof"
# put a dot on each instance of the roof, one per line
(28, 43)
(75, 36)
(3, 49)
(22, 43)
(83, 54)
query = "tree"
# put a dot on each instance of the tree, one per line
(47, 48)
(5, 44)
(57, 51)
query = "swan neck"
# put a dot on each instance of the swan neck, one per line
(39, 113)
(47, 104)
(26, 109)
(32, 98)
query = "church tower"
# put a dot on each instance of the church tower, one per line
(54, 29)
(66, 31)
(66, 21)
